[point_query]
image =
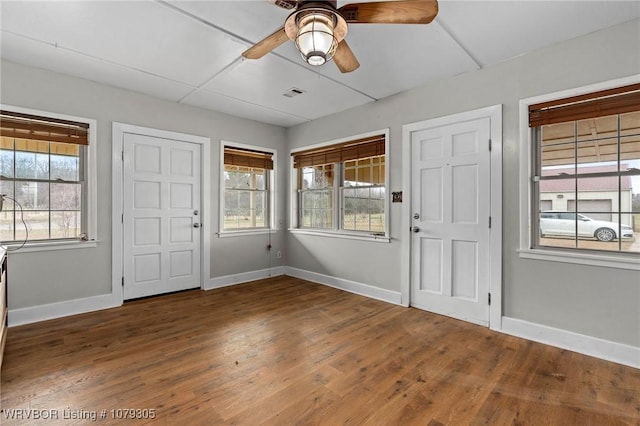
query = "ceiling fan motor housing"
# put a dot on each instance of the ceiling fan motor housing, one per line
(285, 4)
(332, 3)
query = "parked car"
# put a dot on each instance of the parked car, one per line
(564, 224)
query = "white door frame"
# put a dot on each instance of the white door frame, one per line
(117, 181)
(494, 113)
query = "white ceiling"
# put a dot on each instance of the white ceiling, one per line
(190, 51)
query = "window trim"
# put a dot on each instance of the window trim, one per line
(273, 175)
(92, 185)
(566, 255)
(294, 226)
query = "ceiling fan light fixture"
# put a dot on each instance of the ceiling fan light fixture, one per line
(315, 38)
(316, 32)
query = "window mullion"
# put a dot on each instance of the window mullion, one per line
(535, 185)
(255, 193)
(338, 182)
(49, 186)
(575, 172)
(266, 207)
(299, 198)
(15, 190)
(619, 180)
(84, 189)
(370, 167)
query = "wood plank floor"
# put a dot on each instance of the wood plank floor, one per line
(283, 351)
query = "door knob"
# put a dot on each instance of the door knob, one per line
(196, 225)
(415, 229)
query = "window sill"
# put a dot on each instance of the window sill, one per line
(246, 232)
(50, 246)
(604, 260)
(344, 235)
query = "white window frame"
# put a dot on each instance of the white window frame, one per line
(565, 255)
(91, 201)
(338, 232)
(272, 176)
(335, 198)
(342, 188)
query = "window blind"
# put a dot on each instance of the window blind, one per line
(352, 150)
(33, 127)
(591, 105)
(248, 158)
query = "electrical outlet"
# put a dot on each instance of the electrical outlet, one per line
(279, 254)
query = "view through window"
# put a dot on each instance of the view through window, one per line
(587, 182)
(342, 186)
(246, 186)
(42, 168)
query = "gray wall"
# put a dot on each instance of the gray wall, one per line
(41, 278)
(595, 301)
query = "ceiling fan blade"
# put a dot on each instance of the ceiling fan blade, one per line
(344, 58)
(391, 12)
(266, 45)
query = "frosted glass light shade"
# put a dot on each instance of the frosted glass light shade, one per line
(315, 39)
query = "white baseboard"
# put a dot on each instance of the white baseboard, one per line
(592, 346)
(346, 285)
(38, 313)
(243, 277)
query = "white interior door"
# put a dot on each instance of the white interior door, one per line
(161, 221)
(450, 202)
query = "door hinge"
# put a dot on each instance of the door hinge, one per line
(122, 218)
(489, 222)
(489, 298)
(122, 281)
(122, 155)
(489, 145)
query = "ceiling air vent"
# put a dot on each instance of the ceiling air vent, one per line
(294, 91)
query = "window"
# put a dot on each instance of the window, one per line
(342, 187)
(247, 176)
(317, 196)
(585, 182)
(43, 165)
(363, 195)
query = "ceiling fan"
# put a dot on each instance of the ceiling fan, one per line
(318, 28)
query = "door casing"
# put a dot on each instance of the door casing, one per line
(117, 181)
(494, 113)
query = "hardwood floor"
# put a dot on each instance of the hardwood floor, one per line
(283, 351)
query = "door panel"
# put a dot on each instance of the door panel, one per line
(451, 206)
(431, 268)
(431, 202)
(161, 205)
(464, 278)
(464, 194)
